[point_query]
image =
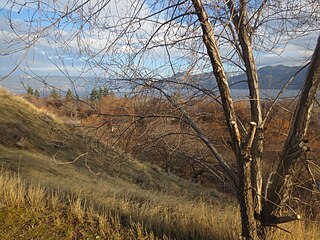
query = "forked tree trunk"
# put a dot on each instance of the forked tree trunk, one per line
(244, 31)
(249, 172)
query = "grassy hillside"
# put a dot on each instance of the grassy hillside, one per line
(37, 143)
(51, 154)
(28, 212)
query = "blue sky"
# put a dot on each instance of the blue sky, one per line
(40, 57)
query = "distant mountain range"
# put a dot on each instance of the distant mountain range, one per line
(274, 77)
(270, 77)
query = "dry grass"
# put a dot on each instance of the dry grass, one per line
(121, 218)
(29, 212)
(299, 230)
(177, 215)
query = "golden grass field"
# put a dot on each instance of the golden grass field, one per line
(56, 183)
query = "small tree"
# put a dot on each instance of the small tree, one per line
(69, 96)
(94, 95)
(30, 91)
(36, 93)
(54, 94)
(103, 92)
(106, 91)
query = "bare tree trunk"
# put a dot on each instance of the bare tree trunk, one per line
(244, 31)
(294, 145)
(256, 113)
(244, 191)
(248, 222)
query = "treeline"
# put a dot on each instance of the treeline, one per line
(95, 95)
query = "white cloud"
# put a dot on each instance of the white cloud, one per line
(295, 52)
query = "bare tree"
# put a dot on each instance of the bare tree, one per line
(142, 44)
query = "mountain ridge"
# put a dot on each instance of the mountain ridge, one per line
(275, 77)
(270, 77)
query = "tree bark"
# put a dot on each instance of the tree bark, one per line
(244, 32)
(294, 146)
(244, 160)
(218, 70)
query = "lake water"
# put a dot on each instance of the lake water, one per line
(266, 94)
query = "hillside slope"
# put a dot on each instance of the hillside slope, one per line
(33, 140)
(55, 156)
